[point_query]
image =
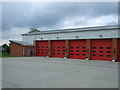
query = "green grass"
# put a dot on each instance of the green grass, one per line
(5, 55)
(0, 54)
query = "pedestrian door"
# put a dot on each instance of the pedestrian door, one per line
(28, 51)
(101, 49)
(58, 48)
(77, 49)
(41, 48)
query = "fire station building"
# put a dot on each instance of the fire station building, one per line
(89, 43)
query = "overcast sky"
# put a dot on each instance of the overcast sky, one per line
(19, 17)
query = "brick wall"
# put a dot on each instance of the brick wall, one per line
(15, 49)
(19, 50)
(118, 49)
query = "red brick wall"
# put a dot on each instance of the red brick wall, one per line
(15, 49)
(19, 50)
(118, 49)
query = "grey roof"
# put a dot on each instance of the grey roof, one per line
(21, 43)
(74, 30)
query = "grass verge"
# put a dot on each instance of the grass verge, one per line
(5, 54)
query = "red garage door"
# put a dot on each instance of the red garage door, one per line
(119, 49)
(58, 48)
(101, 49)
(41, 48)
(77, 49)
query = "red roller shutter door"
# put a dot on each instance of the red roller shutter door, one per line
(58, 48)
(77, 49)
(101, 49)
(118, 49)
(41, 48)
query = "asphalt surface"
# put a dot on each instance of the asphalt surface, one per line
(43, 72)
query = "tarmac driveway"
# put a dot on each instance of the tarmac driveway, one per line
(43, 72)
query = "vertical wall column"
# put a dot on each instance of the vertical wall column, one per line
(35, 47)
(88, 48)
(49, 48)
(114, 48)
(67, 48)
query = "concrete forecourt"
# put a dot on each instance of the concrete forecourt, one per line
(43, 72)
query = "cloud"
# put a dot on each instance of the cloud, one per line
(17, 16)
(85, 21)
(13, 34)
(50, 14)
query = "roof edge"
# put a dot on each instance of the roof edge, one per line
(76, 29)
(19, 43)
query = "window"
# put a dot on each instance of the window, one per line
(77, 47)
(58, 53)
(93, 51)
(53, 50)
(58, 50)
(101, 47)
(42, 49)
(77, 50)
(38, 52)
(58, 47)
(77, 54)
(83, 47)
(71, 47)
(108, 47)
(83, 51)
(63, 50)
(71, 54)
(63, 47)
(71, 50)
(46, 46)
(108, 55)
(94, 47)
(100, 55)
(93, 54)
(63, 53)
(46, 52)
(108, 51)
(53, 53)
(38, 49)
(83, 54)
(101, 51)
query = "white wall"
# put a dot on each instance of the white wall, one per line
(81, 35)
(119, 33)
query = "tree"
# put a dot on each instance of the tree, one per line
(5, 48)
(33, 30)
